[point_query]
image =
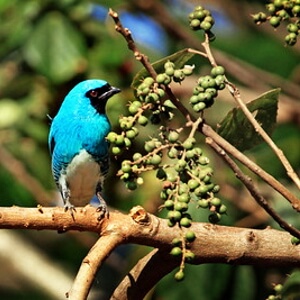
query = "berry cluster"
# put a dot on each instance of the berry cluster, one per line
(207, 89)
(282, 10)
(201, 19)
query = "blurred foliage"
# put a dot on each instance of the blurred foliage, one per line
(48, 46)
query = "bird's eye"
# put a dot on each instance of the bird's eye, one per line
(93, 93)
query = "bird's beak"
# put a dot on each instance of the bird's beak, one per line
(112, 91)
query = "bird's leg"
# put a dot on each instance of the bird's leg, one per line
(65, 193)
(102, 208)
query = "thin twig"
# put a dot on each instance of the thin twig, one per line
(247, 181)
(278, 152)
(125, 32)
(269, 179)
(237, 97)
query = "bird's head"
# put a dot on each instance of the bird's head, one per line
(93, 92)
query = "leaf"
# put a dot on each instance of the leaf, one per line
(237, 129)
(55, 48)
(179, 59)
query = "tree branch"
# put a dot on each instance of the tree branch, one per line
(214, 244)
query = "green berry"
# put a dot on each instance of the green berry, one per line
(203, 160)
(134, 107)
(173, 136)
(189, 143)
(189, 256)
(126, 167)
(137, 156)
(296, 10)
(179, 276)
(185, 222)
(169, 204)
(176, 242)
(180, 166)
(195, 24)
(116, 150)
(131, 134)
(173, 153)
(193, 184)
(190, 236)
(215, 201)
(222, 209)
(184, 198)
(174, 215)
(142, 120)
(111, 137)
(199, 107)
(155, 159)
(169, 71)
(178, 75)
(176, 251)
(218, 70)
(169, 64)
(150, 145)
(292, 28)
(295, 240)
(160, 78)
(203, 203)
(206, 26)
(275, 21)
(194, 99)
(181, 206)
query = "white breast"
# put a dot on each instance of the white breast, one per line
(82, 176)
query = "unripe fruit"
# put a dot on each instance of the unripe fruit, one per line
(193, 184)
(206, 26)
(131, 134)
(189, 143)
(149, 146)
(222, 209)
(111, 137)
(185, 222)
(173, 136)
(160, 78)
(195, 24)
(116, 150)
(169, 71)
(190, 236)
(203, 203)
(275, 21)
(176, 251)
(181, 206)
(169, 204)
(137, 156)
(126, 167)
(179, 276)
(155, 159)
(215, 201)
(134, 107)
(218, 70)
(199, 107)
(184, 198)
(142, 120)
(180, 166)
(189, 256)
(176, 242)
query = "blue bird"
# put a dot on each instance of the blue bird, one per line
(78, 145)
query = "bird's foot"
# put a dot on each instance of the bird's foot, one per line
(102, 208)
(71, 208)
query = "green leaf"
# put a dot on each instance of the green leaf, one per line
(55, 48)
(179, 58)
(237, 129)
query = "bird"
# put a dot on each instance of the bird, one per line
(78, 145)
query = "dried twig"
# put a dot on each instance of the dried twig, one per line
(247, 181)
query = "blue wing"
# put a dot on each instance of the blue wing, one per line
(68, 136)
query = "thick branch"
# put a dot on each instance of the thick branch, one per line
(142, 278)
(219, 244)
